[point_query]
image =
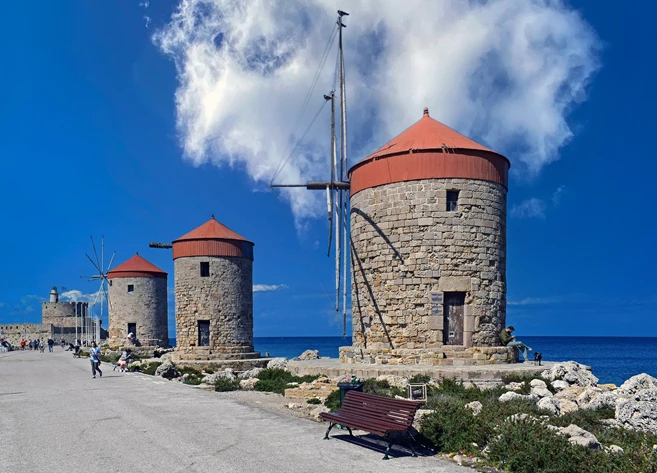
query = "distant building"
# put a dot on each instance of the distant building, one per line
(138, 303)
(428, 226)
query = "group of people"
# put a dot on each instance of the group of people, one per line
(37, 344)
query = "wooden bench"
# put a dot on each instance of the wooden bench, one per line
(383, 416)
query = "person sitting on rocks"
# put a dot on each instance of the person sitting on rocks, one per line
(510, 341)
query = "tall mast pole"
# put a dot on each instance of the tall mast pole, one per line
(344, 201)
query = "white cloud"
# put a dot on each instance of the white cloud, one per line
(75, 295)
(558, 195)
(529, 208)
(538, 301)
(268, 287)
(503, 71)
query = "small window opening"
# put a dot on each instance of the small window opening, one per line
(131, 288)
(452, 201)
(205, 269)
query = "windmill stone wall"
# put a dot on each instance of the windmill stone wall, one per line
(145, 306)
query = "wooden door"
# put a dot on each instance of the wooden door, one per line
(204, 333)
(453, 318)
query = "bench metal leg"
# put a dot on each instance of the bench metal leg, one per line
(409, 442)
(326, 435)
(386, 457)
(350, 433)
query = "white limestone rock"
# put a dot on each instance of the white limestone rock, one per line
(541, 392)
(214, 377)
(571, 372)
(571, 393)
(636, 383)
(560, 385)
(579, 436)
(167, 370)
(587, 396)
(252, 373)
(639, 412)
(309, 355)
(514, 386)
(566, 406)
(475, 406)
(611, 449)
(248, 384)
(538, 383)
(278, 363)
(549, 404)
(317, 411)
(511, 396)
(394, 381)
(604, 399)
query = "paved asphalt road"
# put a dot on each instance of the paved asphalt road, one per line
(55, 418)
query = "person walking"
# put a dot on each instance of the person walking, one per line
(22, 344)
(94, 357)
(51, 343)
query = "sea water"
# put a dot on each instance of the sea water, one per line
(612, 359)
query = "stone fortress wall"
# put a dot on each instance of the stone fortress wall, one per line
(225, 298)
(62, 314)
(145, 306)
(408, 251)
(13, 333)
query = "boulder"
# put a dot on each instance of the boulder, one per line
(395, 381)
(614, 449)
(167, 370)
(636, 383)
(603, 399)
(571, 393)
(309, 355)
(587, 396)
(248, 384)
(252, 373)
(541, 392)
(571, 372)
(549, 404)
(566, 406)
(538, 383)
(228, 374)
(511, 396)
(577, 435)
(638, 412)
(475, 406)
(277, 363)
(513, 386)
(560, 385)
(317, 411)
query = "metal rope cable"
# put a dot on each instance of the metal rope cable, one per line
(315, 273)
(298, 142)
(306, 101)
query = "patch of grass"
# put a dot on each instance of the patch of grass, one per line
(110, 358)
(314, 400)
(277, 380)
(84, 354)
(225, 384)
(150, 368)
(194, 376)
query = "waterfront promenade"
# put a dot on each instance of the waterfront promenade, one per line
(54, 417)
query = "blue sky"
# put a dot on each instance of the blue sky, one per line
(105, 131)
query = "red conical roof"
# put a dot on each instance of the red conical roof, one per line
(427, 134)
(428, 150)
(136, 267)
(211, 230)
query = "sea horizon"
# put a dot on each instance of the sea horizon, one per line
(613, 359)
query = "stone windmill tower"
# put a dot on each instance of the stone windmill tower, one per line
(428, 228)
(138, 295)
(214, 294)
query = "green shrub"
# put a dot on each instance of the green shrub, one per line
(224, 384)
(314, 400)
(150, 368)
(382, 388)
(277, 380)
(194, 376)
(420, 379)
(453, 428)
(84, 354)
(333, 401)
(528, 446)
(110, 358)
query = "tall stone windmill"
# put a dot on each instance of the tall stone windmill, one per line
(102, 293)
